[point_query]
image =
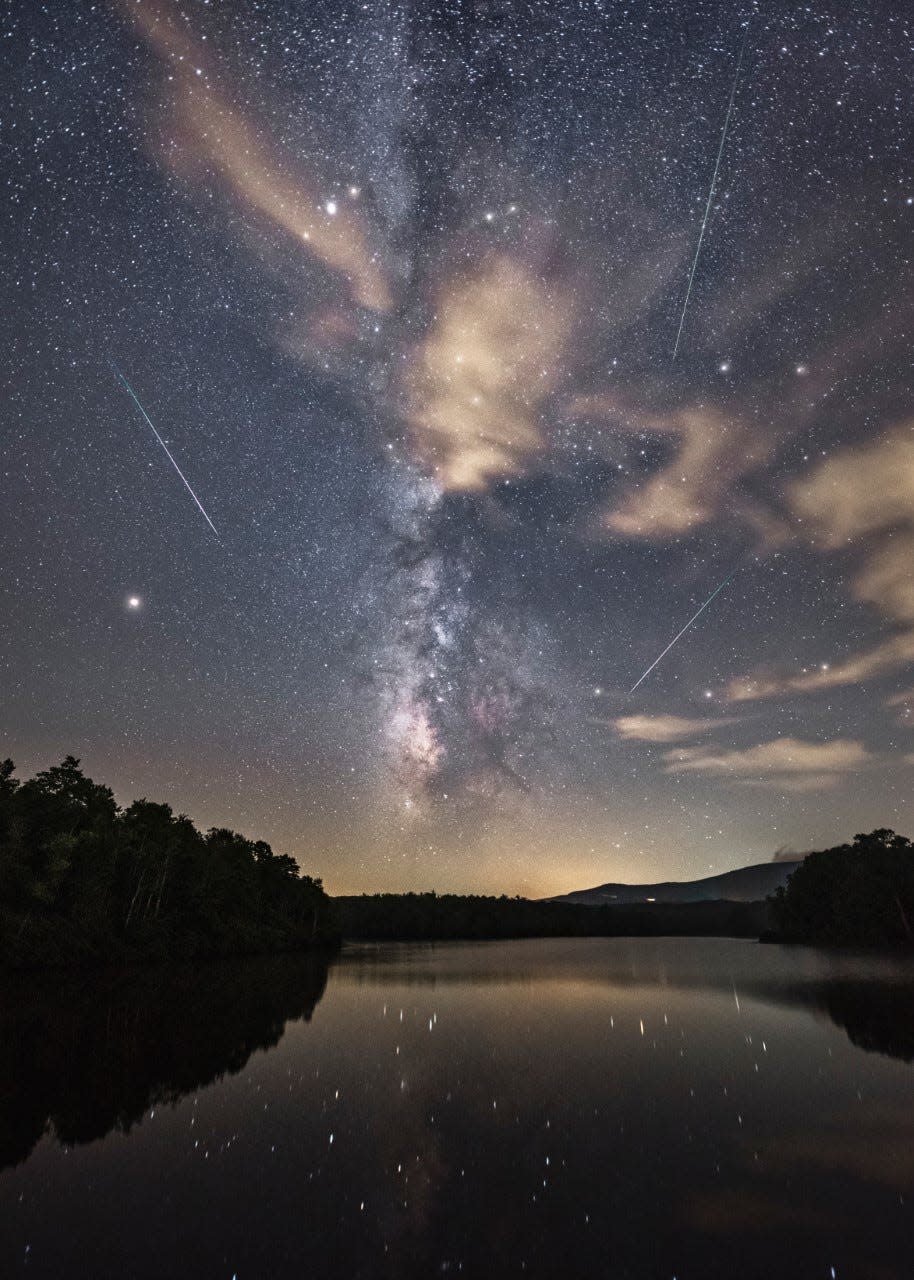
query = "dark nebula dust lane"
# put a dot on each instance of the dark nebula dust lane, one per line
(399, 287)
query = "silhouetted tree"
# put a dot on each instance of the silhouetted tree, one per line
(859, 894)
(81, 880)
(448, 915)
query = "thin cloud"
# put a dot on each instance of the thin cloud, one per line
(900, 699)
(211, 139)
(664, 728)
(864, 493)
(888, 656)
(477, 381)
(713, 450)
(786, 763)
(904, 702)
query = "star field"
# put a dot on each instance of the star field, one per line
(396, 290)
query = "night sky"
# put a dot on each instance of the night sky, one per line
(399, 289)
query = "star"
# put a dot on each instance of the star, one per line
(406, 335)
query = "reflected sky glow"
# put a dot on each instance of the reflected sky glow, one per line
(660, 1106)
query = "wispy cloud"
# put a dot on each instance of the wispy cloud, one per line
(787, 763)
(866, 495)
(662, 728)
(888, 656)
(211, 139)
(477, 381)
(713, 449)
(904, 702)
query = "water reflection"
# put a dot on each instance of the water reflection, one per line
(869, 996)
(877, 1017)
(634, 1109)
(87, 1053)
(82, 1055)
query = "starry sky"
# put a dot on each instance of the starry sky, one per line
(386, 385)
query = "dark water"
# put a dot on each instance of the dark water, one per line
(594, 1107)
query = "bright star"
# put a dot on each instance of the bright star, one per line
(133, 602)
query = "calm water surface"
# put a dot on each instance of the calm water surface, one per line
(591, 1107)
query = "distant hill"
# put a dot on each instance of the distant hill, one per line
(746, 884)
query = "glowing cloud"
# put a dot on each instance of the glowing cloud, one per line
(890, 655)
(664, 728)
(209, 135)
(860, 490)
(860, 493)
(904, 700)
(712, 451)
(788, 763)
(478, 380)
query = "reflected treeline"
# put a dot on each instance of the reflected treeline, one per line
(877, 1016)
(875, 1012)
(85, 1053)
(82, 1054)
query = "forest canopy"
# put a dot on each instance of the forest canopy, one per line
(85, 881)
(858, 894)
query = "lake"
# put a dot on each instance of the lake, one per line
(616, 1108)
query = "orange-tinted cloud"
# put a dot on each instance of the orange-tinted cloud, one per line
(662, 728)
(713, 449)
(863, 494)
(476, 385)
(787, 763)
(859, 490)
(888, 656)
(207, 134)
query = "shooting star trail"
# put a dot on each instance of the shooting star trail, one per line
(136, 401)
(681, 633)
(704, 223)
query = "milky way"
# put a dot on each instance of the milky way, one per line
(403, 281)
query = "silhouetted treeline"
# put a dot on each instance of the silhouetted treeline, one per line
(83, 881)
(86, 1052)
(859, 894)
(89, 1052)
(876, 1016)
(417, 916)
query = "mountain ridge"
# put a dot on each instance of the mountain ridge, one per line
(744, 884)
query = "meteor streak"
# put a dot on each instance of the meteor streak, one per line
(135, 399)
(720, 152)
(681, 633)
